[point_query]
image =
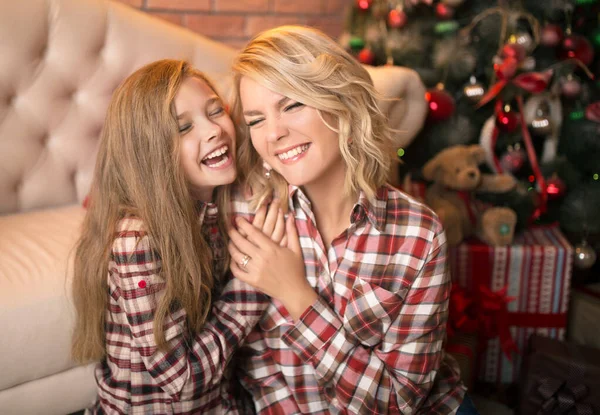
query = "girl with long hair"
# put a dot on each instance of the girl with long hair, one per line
(360, 294)
(152, 298)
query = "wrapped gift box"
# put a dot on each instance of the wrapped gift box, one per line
(584, 315)
(528, 282)
(559, 378)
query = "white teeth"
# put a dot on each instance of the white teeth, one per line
(293, 152)
(217, 153)
(220, 163)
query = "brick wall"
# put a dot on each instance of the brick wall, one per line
(235, 21)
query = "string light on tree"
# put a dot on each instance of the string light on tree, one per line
(555, 187)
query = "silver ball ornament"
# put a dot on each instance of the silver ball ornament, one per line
(522, 38)
(542, 125)
(585, 256)
(473, 91)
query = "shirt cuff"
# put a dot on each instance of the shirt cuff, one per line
(319, 338)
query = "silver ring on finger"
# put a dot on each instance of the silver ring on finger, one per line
(245, 261)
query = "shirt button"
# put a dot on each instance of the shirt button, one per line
(334, 402)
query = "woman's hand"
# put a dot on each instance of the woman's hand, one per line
(273, 269)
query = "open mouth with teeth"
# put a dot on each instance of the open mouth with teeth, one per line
(217, 158)
(294, 153)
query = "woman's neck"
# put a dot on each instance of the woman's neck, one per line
(331, 207)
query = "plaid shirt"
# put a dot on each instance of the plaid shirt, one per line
(191, 377)
(373, 341)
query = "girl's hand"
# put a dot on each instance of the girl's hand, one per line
(275, 270)
(271, 222)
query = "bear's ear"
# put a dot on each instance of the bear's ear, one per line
(477, 154)
(431, 168)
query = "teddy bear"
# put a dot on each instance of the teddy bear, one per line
(455, 176)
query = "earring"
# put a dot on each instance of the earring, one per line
(268, 169)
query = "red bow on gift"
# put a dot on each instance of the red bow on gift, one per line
(494, 318)
(461, 314)
(486, 315)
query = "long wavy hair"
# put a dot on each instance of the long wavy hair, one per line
(306, 65)
(138, 173)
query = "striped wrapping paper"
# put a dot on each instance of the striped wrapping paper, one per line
(537, 271)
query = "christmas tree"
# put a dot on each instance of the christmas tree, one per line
(518, 77)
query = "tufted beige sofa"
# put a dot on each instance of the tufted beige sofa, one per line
(60, 60)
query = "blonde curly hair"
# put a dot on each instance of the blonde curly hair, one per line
(306, 65)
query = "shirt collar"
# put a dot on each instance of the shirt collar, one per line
(375, 211)
(207, 212)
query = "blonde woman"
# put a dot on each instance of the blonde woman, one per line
(359, 304)
(150, 287)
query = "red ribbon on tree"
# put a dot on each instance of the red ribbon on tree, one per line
(532, 82)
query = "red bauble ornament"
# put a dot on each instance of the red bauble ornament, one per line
(397, 18)
(513, 50)
(513, 160)
(507, 69)
(507, 120)
(366, 56)
(555, 188)
(363, 5)
(570, 86)
(576, 47)
(443, 11)
(551, 35)
(441, 104)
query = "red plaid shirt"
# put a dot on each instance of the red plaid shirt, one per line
(373, 341)
(137, 378)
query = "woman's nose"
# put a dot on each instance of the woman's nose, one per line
(275, 130)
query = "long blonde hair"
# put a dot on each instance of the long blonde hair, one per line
(307, 66)
(138, 174)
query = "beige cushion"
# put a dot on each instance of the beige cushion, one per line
(60, 61)
(36, 315)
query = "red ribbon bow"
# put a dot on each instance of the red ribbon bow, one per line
(532, 82)
(461, 314)
(486, 315)
(494, 318)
